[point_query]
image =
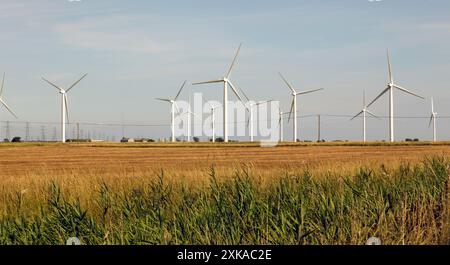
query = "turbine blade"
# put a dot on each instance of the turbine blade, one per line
(179, 92)
(243, 93)
(290, 112)
(8, 108)
(382, 93)
(3, 83)
(176, 107)
(309, 91)
(236, 93)
(287, 83)
(364, 98)
(164, 99)
(371, 114)
(67, 108)
(78, 81)
(263, 102)
(208, 82)
(234, 61)
(432, 105)
(359, 113)
(431, 119)
(57, 87)
(407, 91)
(391, 78)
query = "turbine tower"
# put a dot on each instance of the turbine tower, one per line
(173, 107)
(249, 108)
(250, 119)
(213, 119)
(64, 106)
(433, 120)
(364, 113)
(189, 113)
(390, 88)
(3, 101)
(226, 82)
(281, 123)
(294, 104)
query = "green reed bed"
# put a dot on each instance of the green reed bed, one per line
(407, 205)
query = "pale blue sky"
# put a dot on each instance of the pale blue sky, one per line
(137, 50)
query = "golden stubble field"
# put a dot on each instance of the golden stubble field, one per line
(80, 169)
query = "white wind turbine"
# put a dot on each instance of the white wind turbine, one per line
(226, 81)
(281, 123)
(294, 104)
(433, 120)
(173, 107)
(189, 113)
(249, 107)
(3, 101)
(213, 119)
(364, 112)
(64, 106)
(390, 88)
(250, 119)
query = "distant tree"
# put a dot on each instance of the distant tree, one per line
(219, 139)
(196, 139)
(16, 140)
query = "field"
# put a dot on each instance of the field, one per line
(237, 193)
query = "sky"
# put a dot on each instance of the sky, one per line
(134, 51)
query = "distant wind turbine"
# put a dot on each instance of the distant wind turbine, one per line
(64, 105)
(213, 119)
(433, 120)
(281, 123)
(249, 107)
(294, 104)
(390, 88)
(226, 82)
(364, 111)
(250, 119)
(173, 107)
(3, 101)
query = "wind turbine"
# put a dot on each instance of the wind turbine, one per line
(173, 107)
(250, 110)
(250, 119)
(3, 101)
(189, 113)
(64, 106)
(294, 103)
(364, 112)
(226, 82)
(390, 88)
(213, 119)
(281, 122)
(433, 119)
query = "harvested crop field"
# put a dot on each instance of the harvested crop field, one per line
(236, 193)
(57, 158)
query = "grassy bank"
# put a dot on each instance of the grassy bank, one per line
(405, 205)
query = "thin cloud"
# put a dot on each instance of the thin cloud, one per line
(110, 34)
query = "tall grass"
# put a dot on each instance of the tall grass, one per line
(405, 205)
